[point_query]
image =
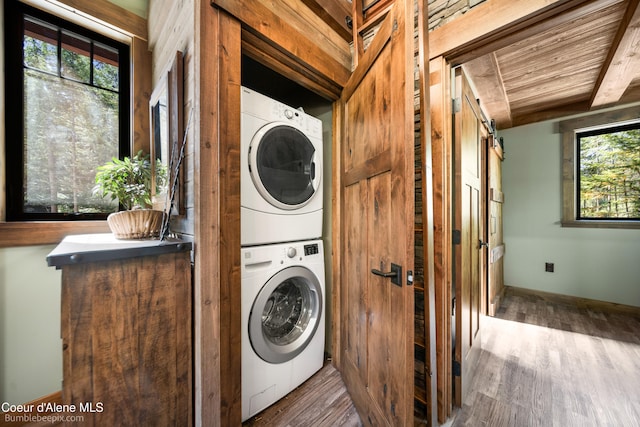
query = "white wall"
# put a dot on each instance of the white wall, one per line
(601, 264)
(30, 343)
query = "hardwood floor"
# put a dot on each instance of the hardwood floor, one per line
(322, 401)
(547, 360)
(556, 361)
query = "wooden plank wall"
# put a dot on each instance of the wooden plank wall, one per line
(171, 29)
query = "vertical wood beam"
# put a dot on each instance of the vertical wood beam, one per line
(217, 217)
(141, 90)
(356, 22)
(441, 143)
(336, 229)
(230, 57)
(427, 210)
(406, 23)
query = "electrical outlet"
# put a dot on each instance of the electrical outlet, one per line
(548, 267)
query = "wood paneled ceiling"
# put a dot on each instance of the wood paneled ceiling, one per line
(585, 59)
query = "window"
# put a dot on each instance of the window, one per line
(608, 173)
(67, 97)
(601, 170)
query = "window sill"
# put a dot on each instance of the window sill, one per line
(45, 232)
(602, 224)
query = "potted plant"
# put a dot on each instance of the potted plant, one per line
(129, 181)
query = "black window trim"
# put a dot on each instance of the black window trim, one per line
(14, 69)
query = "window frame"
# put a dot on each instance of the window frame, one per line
(14, 91)
(569, 130)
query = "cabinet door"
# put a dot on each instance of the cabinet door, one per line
(126, 332)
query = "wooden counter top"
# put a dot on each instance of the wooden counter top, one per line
(84, 248)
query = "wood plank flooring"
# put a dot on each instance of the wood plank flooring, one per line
(322, 401)
(547, 361)
(555, 361)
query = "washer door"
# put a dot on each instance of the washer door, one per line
(284, 166)
(285, 314)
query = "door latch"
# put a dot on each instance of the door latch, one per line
(395, 274)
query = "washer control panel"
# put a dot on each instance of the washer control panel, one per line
(311, 249)
(291, 252)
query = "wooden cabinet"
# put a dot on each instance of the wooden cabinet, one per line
(126, 330)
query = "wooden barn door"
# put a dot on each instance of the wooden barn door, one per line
(377, 222)
(469, 239)
(494, 210)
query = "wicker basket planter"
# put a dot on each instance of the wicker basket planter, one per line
(135, 224)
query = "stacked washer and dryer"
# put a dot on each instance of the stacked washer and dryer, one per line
(283, 282)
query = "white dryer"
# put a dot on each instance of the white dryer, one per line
(281, 172)
(283, 327)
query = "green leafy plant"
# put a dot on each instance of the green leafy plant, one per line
(129, 180)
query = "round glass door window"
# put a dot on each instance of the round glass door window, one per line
(285, 315)
(284, 166)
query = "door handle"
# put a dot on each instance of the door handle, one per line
(483, 244)
(395, 274)
(315, 171)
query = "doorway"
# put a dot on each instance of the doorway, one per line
(268, 82)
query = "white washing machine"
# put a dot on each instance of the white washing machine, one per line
(281, 172)
(283, 327)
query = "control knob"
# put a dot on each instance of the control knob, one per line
(291, 252)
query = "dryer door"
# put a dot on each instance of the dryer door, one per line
(285, 314)
(284, 166)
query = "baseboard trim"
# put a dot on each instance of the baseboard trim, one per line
(581, 302)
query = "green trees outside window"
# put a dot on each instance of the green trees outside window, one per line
(68, 89)
(71, 120)
(609, 173)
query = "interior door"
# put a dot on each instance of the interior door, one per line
(469, 247)
(376, 220)
(494, 210)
